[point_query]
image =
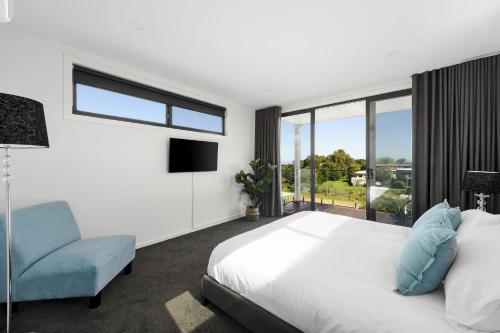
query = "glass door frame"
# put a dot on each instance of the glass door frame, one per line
(370, 140)
(371, 132)
(312, 171)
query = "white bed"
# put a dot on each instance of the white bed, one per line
(327, 273)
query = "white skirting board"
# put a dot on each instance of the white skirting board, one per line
(187, 231)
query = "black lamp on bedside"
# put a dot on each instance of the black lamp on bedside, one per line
(22, 125)
(481, 183)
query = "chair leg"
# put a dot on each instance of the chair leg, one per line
(204, 301)
(14, 308)
(95, 301)
(128, 268)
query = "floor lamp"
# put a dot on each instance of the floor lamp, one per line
(22, 125)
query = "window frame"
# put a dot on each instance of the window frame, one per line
(369, 140)
(96, 79)
(170, 125)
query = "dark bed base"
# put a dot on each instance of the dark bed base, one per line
(249, 314)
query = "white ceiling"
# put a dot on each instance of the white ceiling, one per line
(264, 52)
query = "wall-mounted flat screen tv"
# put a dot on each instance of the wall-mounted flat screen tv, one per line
(192, 155)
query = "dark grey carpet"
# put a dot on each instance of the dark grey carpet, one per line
(161, 295)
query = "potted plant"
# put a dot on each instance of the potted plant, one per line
(254, 184)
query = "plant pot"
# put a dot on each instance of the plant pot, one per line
(252, 214)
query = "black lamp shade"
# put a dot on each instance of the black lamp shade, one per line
(487, 182)
(22, 123)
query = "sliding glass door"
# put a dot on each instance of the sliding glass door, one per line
(340, 159)
(296, 171)
(351, 158)
(390, 160)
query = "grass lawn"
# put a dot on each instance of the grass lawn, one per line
(342, 193)
(339, 200)
(338, 191)
(340, 183)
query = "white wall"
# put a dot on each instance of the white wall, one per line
(114, 175)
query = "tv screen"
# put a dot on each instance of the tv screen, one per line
(192, 156)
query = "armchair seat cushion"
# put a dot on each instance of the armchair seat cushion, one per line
(79, 269)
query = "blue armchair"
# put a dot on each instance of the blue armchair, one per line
(50, 259)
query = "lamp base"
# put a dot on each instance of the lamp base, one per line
(481, 203)
(6, 178)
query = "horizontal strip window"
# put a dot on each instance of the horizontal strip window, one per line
(185, 118)
(104, 96)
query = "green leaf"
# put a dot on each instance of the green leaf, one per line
(255, 183)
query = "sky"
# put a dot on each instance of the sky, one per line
(393, 136)
(110, 103)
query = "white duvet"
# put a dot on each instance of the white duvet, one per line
(327, 273)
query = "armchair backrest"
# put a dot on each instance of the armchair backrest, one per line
(37, 231)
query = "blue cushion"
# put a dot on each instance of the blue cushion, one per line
(431, 215)
(37, 231)
(426, 257)
(455, 216)
(78, 269)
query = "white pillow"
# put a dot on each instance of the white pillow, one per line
(473, 219)
(472, 284)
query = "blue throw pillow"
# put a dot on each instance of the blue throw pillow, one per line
(455, 216)
(430, 216)
(426, 257)
(434, 209)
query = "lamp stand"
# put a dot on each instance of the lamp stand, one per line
(6, 178)
(481, 203)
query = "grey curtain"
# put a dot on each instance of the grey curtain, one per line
(456, 127)
(267, 149)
